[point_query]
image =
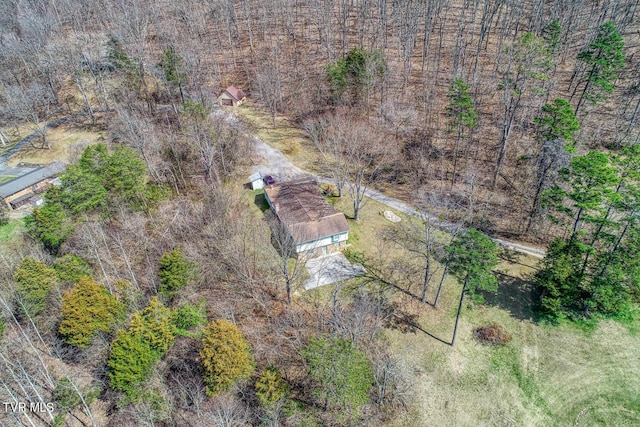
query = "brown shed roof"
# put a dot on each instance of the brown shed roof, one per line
(238, 94)
(303, 210)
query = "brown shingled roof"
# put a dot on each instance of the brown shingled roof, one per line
(238, 94)
(304, 212)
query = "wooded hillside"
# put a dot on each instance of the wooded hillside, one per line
(151, 288)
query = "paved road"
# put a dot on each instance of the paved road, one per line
(278, 165)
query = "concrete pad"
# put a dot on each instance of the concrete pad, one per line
(330, 269)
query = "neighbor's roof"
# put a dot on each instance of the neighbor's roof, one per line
(238, 94)
(304, 211)
(28, 179)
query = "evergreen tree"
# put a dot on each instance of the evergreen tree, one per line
(462, 115)
(470, 257)
(34, 281)
(225, 356)
(557, 122)
(174, 272)
(171, 65)
(70, 268)
(356, 75)
(87, 309)
(270, 387)
(604, 58)
(135, 351)
(552, 36)
(50, 225)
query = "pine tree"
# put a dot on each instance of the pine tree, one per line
(462, 115)
(604, 58)
(557, 122)
(225, 356)
(87, 309)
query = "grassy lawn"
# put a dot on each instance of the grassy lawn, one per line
(8, 231)
(66, 143)
(284, 136)
(547, 375)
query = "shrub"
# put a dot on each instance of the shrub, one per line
(87, 309)
(225, 356)
(492, 334)
(270, 387)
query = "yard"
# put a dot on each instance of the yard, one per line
(67, 143)
(547, 375)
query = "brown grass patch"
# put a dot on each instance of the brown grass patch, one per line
(67, 143)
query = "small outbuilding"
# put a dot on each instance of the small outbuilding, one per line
(256, 181)
(232, 97)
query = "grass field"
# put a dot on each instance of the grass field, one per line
(547, 375)
(66, 142)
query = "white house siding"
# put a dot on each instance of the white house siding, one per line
(326, 241)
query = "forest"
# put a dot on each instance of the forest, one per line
(152, 287)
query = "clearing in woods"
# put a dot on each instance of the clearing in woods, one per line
(565, 374)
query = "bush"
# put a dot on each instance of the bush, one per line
(225, 356)
(34, 280)
(492, 334)
(87, 309)
(270, 387)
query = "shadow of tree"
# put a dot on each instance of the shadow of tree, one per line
(515, 295)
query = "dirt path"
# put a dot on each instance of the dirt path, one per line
(275, 163)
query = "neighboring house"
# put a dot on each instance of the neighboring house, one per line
(311, 222)
(24, 189)
(232, 97)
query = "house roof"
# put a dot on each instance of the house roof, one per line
(305, 213)
(20, 183)
(236, 93)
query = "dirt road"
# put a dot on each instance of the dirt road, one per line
(275, 163)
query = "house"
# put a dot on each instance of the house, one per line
(232, 97)
(310, 221)
(24, 189)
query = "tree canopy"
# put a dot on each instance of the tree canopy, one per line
(86, 309)
(225, 356)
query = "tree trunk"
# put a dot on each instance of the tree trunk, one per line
(455, 328)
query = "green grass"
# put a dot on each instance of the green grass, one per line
(566, 374)
(8, 231)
